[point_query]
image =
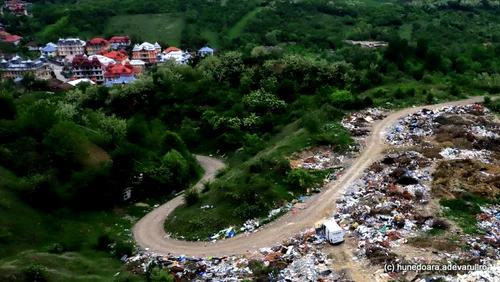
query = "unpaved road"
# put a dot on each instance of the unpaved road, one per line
(149, 232)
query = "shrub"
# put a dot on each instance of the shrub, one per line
(191, 197)
(221, 172)
(55, 248)
(103, 242)
(380, 93)
(206, 186)
(123, 248)
(439, 223)
(430, 98)
(35, 273)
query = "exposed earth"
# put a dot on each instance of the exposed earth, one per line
(149, 231)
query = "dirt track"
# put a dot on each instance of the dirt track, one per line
(149, 232)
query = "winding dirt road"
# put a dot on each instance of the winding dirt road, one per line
(149, 232)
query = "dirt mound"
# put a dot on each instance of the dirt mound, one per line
(96, 156)
(453, 178)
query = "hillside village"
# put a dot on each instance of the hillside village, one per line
(72, 60)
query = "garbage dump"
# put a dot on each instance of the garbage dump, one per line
(296, 259)
(411, 129)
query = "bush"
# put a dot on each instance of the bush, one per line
(191, 196)
(35, 273)
(439, 223)
(221, 172)
(103, 242)
(430, 98)
(206, 186)
(123, 248)
(380, 93)
(56, 248)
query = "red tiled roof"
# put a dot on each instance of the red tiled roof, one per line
(12, 38)
(4, 34)
(97, 41)
(32, 44)
(119, 39)
(115, 55)
(172, 48)
(119, 70)
(81, 61)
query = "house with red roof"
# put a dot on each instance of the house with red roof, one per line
(119, 74)
(85, 68)
(119, 42)
(94, 45)
(120, 57)
(13, 39)
(4, 34)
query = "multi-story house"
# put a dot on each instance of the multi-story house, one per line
(119, 42)
(85, 68)
(97, 44)
(70, 47)
(49, 50)
(173, 54)
(146, 52)
(119, 74)
(120, 57)
(13, 39)
(17, 67)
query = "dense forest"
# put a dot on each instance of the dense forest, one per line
(279, 82)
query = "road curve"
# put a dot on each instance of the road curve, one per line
(149, 231)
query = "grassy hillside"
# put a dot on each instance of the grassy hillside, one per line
(25, 228)
(146, 27)
(238, 28)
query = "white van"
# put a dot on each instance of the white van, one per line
(333, 233)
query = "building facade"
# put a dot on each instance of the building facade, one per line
(119, 74)
(120, 57)
(146, 52)
(119, 42)
(95, 45)
(49, 50)
(70, 47)
(173, 54)
(17, 67)
(85, 68)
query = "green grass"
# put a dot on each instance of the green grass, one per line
(368, 2)
(405, 31)
(151, 28)
(462, 211)
(212, 37)
(238, 28)
(27, 233)
(87, 266)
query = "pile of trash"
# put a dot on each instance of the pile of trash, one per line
(295, 259)
(455, 154)
(411, 129)
(380, 211)
(488, 244)
(492, 273)
(321, 161)
(356, 122)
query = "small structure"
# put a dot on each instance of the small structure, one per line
(17, 67)
(70, 47)
(74, 82)
(146, 52)
(205, 51)
(95, 45)
(49, 50)
(120, 57)
(4, 34)
(104, 60)
(119, 42)
(13, 39)
(138, 65)
(32, 46)
(367, 44)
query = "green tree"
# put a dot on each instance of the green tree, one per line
(66, 144)
(8, 108)
(174, 162)
(253, 144)
(299, 178)
(191, 196)
(39, 118)
(342, 99)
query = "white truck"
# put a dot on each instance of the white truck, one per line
(333, 233)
